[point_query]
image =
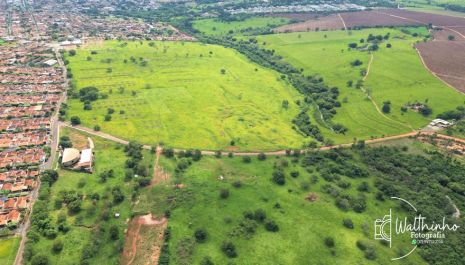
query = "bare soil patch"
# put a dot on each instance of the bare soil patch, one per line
(373, 19)
(79, 141)
(445, 59)
(299, 16)
(144, 239)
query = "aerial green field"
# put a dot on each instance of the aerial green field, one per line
(187, 95)
(303, 225)
(215, 27)
(8, 249)
(89, 228)
(396, 75)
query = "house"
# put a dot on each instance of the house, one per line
(440, 123)
(76, 160)
(70, 157)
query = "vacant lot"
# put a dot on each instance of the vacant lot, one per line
(304, 213)
(86, 233)
(8, 249)
(396, 74)
(217, 27)
(322, 23)
(187, 95)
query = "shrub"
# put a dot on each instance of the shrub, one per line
(200, 235)
(329, 242)
(75, 120)
(271, 226)
(108, 117)
(246, 159)
(347, 222)
(260, 215)
(295, 174)
(57, 246)
(279, 178)
(114, 233)
(261, 156)
(206, 261)
(40, 259)
(224, 193)
(96, 128)
(237, 184)
(229, 249)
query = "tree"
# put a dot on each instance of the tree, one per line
(347, 222)
(260, 215)
(285, 104)
(96, 128)
(40, 259)
(261, 156)
(329, 242)
(388, 45)
(108, 117)
(206, 261)
(271, 226)
(49, 176)
(114, 233)
(223, 71)
(386, 107)
(57, 246)
(451, 37)
(74, 206)
(224, 193)
(353, 45)
(246, 159)
(278, 177)
(200, 235)
(75, 120)
(72, 52)
(229, 249)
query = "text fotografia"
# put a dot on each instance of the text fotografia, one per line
(421, 230)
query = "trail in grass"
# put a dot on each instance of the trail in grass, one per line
(343, 22)
(374, 102)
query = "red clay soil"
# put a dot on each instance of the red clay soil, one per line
(323, 23)
(373, 19)
(445, 59)
(426, 18)
(135, 239)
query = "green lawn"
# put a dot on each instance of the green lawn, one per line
(8, 249)
(85, 225)
(183, 99)
(396, 74)
(216, 27)
(302, 224)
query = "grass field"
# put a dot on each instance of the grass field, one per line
(89, 223)
(215, 27)
(182, 97)
(8, 249)
(396, 74)
(302, 224)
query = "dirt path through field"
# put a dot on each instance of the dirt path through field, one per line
(374, 102)
(158, 172)
(343, 22)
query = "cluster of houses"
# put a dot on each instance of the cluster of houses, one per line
(327, 7)
(31, 87)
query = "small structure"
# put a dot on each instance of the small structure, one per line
(440, 123)
(70, 157)
(82, 160)
(50, 62)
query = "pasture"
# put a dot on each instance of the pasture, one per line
(8, 249)
(187, 95)
(396, 75)
(216, 27)
(303, 224)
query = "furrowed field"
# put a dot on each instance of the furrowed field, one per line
(215, 27)
(396, 75)
(188, 95)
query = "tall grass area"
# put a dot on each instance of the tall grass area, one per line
(303, 225)
(396, 75)
(187, 95)
(8, 249)
(91, 234)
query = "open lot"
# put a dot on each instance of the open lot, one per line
(396, 74)
(187, 95)
(215, 27)
(8, 249)
(303, 223)
(89, 228)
